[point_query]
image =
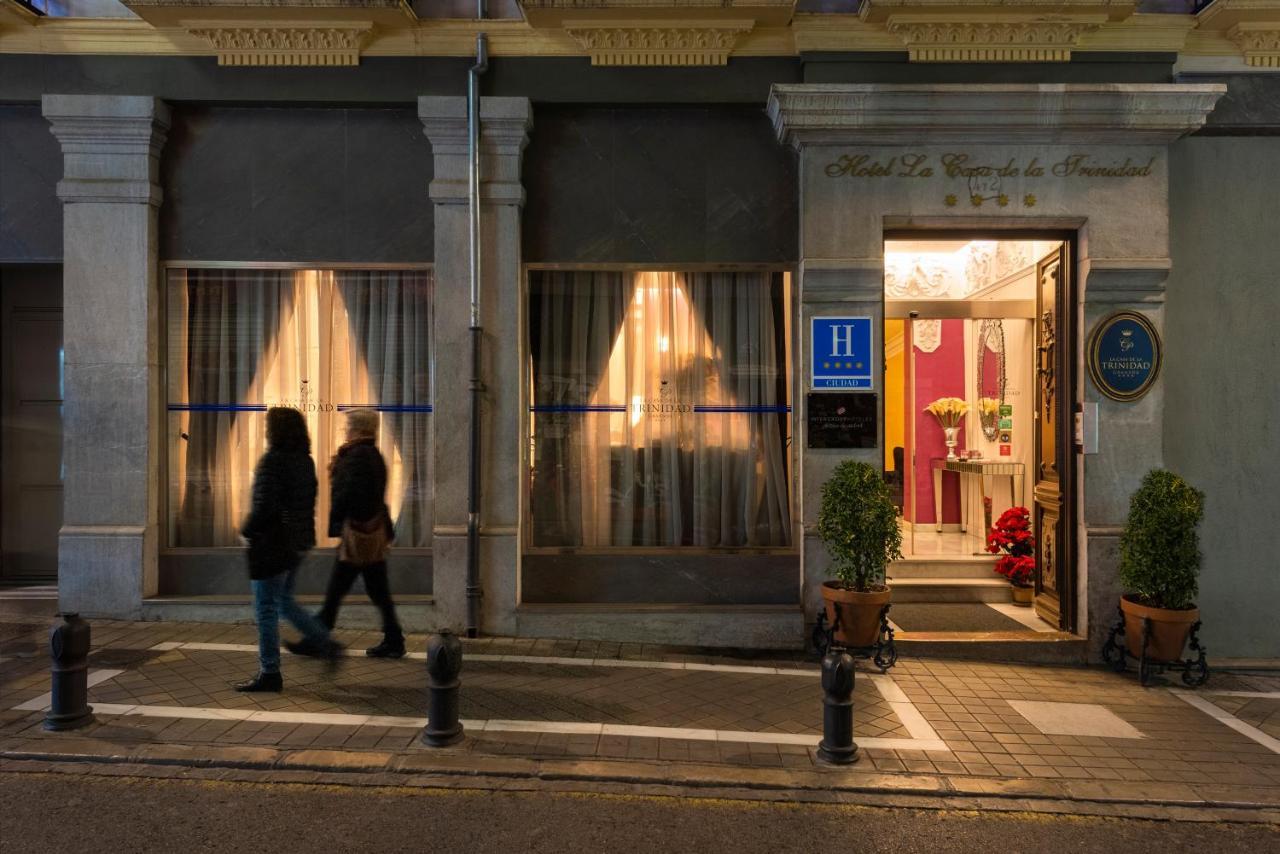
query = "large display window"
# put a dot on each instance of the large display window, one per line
(241, 340)
(660, 409)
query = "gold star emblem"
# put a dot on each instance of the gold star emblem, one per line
(975, 200)
(950, 200)
(1029, 200)
(826, 364)
(1002, 200)
(858, 365)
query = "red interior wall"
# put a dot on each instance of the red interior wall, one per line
(937, 374)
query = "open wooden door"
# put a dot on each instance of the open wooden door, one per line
(1055, 593)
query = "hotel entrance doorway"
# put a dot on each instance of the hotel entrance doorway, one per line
(978, 400)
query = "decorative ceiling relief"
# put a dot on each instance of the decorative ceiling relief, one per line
(1033, 40)
(1010, 31)
(283, 44)
(1259, 42)
(660, 44)
(907, 277)
(979, 267)
(657, 32)
(926, 335)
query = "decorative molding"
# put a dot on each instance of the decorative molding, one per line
(1004, 38)
(1260, 43)
(996, 114)
(659, 43)
(926, 335)
(249, 43)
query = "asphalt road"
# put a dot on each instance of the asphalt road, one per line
(57, 812)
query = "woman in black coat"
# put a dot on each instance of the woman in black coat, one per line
(358, 515)
(280, 528)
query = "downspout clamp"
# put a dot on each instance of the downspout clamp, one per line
(474, 590)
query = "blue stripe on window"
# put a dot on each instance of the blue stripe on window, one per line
(698, 408)
(217, 407)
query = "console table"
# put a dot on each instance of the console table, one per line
(982, 469)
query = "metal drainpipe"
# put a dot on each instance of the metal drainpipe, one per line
(474, 590)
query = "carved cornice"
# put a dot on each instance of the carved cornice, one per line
(1260, 43)
(660, 43)
(1004, 38)
(284, 43)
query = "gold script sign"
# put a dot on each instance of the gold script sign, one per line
(966, 165)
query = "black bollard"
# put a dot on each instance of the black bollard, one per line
(69, 696)
(837, 745)
(444, 663)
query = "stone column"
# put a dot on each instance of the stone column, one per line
(504, 124)
(112, 415)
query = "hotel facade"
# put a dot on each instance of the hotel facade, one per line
(722, 247)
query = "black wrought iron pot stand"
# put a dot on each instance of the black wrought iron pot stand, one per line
(1115, 652)
(883, 653)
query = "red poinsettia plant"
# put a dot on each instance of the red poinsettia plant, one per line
(1011, 538)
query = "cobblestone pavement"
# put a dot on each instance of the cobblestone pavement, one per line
(539, 698)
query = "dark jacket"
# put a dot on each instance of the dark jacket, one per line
(359, 486)
(281, 524)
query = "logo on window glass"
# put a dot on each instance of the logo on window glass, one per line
(304, 402)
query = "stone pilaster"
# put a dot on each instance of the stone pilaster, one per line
(112, 414)
(504, 124)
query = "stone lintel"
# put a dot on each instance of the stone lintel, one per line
(842, 280)
(992, 114)
(1125, 280)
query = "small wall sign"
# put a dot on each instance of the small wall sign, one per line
(1124, 353)
(841, 420)
(840, 351)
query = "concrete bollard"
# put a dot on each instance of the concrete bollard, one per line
(837, 745)
(444, 663)
(69, 673)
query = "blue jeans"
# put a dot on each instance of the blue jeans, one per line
(273, 599)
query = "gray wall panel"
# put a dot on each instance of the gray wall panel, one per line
(660, 184)
(1222, 412)
(246, 184)
(30, 167)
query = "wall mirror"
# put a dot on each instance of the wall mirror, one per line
(991, 376)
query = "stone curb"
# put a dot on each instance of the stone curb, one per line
(946, 790)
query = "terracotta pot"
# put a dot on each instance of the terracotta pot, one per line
(859, 613)
(1169, 629)
(1022, 595)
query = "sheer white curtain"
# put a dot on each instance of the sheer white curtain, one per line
(382, 341)
(675, 431)
(243, 340)
(226, 327)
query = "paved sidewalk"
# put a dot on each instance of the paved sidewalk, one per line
(601, 711)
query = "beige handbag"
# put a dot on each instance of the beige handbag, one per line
(364, 543)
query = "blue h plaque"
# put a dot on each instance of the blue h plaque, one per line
(840, 349)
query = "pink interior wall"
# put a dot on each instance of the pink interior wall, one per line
(938, 374)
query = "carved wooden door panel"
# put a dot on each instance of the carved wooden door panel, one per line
(1054, 585)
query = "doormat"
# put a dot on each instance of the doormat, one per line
(952, 617)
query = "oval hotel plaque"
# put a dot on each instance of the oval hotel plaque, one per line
(1124, 355)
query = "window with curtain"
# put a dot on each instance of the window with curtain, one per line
(660, 409)
(323, 341)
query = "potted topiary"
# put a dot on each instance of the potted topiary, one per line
(1160, 565)
(1011, 534)
(858, 523)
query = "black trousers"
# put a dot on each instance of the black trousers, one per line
(375, 584)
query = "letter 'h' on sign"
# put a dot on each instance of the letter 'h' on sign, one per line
(841, 353)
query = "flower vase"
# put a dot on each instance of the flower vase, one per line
(950, 433)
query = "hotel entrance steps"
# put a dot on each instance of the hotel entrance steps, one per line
(936, 578)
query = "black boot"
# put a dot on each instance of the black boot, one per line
(263, 682)
(306, 647)
(387, 649)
